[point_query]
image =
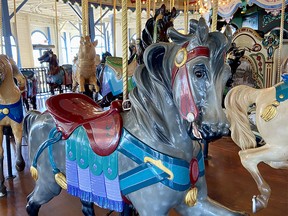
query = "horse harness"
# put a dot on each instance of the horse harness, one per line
(153, 166)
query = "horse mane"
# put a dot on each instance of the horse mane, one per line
(237, 102)
(152, 97)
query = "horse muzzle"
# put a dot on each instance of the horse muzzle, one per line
(209, 131)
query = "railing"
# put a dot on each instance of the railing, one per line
(40, 74)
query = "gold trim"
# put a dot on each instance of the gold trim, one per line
(270, 111)
(5, 111)
(184, 51)
(159, 164)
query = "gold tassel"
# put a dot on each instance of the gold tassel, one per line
(60, 178)
(270, 111)
(191, 197)
(34, 173)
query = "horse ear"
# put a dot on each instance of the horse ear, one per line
(176, 36)
(228, 34)
(202, 30)
(95, 43)
(193, 24)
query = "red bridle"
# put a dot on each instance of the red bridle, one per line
(187, 103)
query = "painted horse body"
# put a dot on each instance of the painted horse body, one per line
(11, 111)
(170, 108)
(271, 121)
(86, 64)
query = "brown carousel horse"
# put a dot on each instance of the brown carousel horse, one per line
(11, 111)
(57, 75)
(86, 64)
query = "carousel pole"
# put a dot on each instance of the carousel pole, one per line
(114, 27)
(281, 41)
(138, 19)
(148, 8)
(85, 27)
(124, 54)
(214, 16)
(16, 35)
(185, 18)
(57, 33)
(154, 7)
(1, 29)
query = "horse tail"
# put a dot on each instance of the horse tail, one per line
(28, 121)
(237, 103)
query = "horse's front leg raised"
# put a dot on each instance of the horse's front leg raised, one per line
(250, 158)
(17, 131)
(3, 190)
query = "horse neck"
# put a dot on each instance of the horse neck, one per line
(159, 125)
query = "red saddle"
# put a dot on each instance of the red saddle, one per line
(71, 110)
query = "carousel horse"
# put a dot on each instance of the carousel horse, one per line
(31, 89)
(271, 121)
(156, 165)
(56, 73)
(86, 63)
(111, 76)
(11, 111)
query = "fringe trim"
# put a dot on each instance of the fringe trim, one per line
(102, 202)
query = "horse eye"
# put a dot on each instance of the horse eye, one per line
(199, 74)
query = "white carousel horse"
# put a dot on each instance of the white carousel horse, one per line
(271, 121)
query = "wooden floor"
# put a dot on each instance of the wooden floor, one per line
(228, 183)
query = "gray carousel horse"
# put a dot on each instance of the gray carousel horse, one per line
(177, 101)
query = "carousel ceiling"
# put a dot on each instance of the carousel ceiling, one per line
(71, 9)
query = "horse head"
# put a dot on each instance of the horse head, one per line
(46, 57)
(87, 51)
(198, 79)
(234, 54)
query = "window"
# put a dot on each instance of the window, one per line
(13, 46)
(100, 48)
(64, 50)
(38, 38)
(75, 43)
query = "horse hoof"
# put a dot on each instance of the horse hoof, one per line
(3, 191)
(258, 203)
(20, 165)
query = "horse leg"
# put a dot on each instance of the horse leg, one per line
(33, 102)
(87, 208)
(93, 81)
(250, 158)
(205, 205)
(18, 131)
(52, 89)
(43, 192)
(60, 88)
(81, 84)
(3, 190)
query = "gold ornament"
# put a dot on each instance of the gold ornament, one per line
(34, 173)
(270, 111)
(60, 178)
(191, 197)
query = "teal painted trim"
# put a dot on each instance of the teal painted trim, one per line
(282, 92)
(54, 136)
(78, 148)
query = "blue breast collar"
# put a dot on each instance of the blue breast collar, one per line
(13, 111)
(147, 173)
